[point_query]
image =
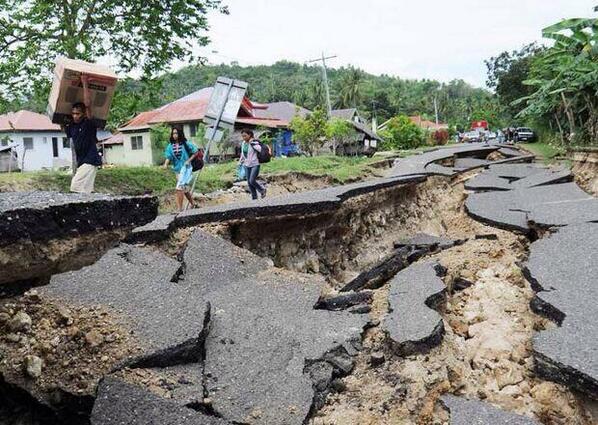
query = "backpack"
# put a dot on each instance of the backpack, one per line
(197, 161)
(265, 154)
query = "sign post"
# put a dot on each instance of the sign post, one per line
(221, 113)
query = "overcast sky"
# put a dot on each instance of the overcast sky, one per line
(408, 38)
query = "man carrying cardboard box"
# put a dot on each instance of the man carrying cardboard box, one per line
(83, 134)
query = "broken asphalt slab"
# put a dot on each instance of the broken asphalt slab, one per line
(168, 323)
(302, 203)
(41, 216)
(119, 403)
(487, 182)
(265, 333)
(565, 213)
(562, 270)
(417, 164)
(520, 176)
(426, 241)
(473, 412)
(510, 209)
(390, 265)
(415, 292)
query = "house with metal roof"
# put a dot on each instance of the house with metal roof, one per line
(187, 112)
(36, 142)
(365, 141)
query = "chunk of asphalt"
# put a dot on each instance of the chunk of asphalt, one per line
(412, 324)
(264, 333)
(169, 323)
(470, 163)
(344, 301)
(42, 216)
(119, 402)
(467, 412)
(510, 152)
(384, 270)
(155, 231)
(562, 269)
(487, 182)
(426, 241)
(509, 210)
(417, 164)
(544, 177)
(513, 171)
(440, 170)
(565, 213)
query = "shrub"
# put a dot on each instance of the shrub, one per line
(440, 136)
(402, 133)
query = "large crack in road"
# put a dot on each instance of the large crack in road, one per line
(326, 308)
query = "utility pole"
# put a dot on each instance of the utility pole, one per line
(436, 109)
(325, 76)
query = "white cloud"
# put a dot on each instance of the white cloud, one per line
(411, 39)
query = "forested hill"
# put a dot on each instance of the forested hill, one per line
(458, 102)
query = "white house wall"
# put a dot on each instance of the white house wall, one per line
(41, 156)
(138, 157)
(114, 154)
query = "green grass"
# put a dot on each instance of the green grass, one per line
(543, 151)
(117, 180)
(156, 180)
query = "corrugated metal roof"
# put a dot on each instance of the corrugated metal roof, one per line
(116, 139)
(284, 111)
(193, 107)
(26, 121)
(345, 114)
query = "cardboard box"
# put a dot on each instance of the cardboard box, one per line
(67, 89)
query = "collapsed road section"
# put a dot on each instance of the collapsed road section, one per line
(42, 233)
(377, 302)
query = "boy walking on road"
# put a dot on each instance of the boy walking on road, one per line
(83, 134)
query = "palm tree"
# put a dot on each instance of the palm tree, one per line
(350, 88)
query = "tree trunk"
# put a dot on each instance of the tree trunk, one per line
(569, 115)
(558, 123)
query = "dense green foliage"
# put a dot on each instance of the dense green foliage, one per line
(310, 131)
(506, 74)
(553, 89)
(339, 131)
(146, 36)
(564, 81)
(401, 133)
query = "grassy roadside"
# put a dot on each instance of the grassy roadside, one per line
(156, 180)
(543, 151)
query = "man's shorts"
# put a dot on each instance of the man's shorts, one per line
(84, 179)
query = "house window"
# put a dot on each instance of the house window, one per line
(193, 129)
(65, 143)
(136, 142)
(28, 142)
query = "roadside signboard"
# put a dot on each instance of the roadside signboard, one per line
(225, 103)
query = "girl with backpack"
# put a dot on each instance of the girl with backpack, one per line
(180, 153)
(250, 149)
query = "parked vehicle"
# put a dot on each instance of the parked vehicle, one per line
(524, 134)
(471, 137)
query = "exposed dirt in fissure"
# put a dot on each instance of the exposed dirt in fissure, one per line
(585, 170)
(486, 351)
(485, 354)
